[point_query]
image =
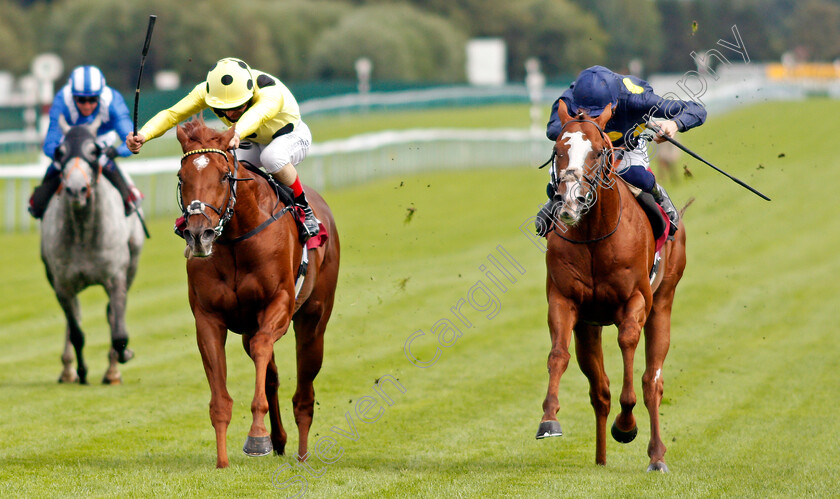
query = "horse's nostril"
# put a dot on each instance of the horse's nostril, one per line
(580, 199)
(188, 236)
(208, 235)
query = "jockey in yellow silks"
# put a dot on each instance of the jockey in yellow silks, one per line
(269, 130)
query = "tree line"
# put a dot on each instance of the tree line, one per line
(407, 40)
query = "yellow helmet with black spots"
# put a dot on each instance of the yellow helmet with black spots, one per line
(229, 84)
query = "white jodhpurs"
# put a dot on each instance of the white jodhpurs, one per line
(289, 148)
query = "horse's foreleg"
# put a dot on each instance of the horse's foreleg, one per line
(74, 336)
(273, 325)
(562, 315)
(68, 374)
(590, 357)
(630, 322)
(211, 335)
(117, 290)
(261, 348)
(309, 335)
(272, 383)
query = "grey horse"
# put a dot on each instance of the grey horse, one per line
(86, 239)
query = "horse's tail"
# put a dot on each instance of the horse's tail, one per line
(689, 203)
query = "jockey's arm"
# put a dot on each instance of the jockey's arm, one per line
(54, 133)
(168, 118)
(684, 115)
(122, 123)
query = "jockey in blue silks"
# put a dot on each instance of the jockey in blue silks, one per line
(633, 106)
(84, 99)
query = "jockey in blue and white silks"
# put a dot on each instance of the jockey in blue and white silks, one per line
(86, 99)
(634, 105)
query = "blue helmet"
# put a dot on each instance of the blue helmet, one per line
(594, 88)
(86, 81)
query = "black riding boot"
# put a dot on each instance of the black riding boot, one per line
(43, 193)
(545, 218)
(113, 174)
(311, 225)
(662, 198)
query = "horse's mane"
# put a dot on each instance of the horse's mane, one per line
(196, 129)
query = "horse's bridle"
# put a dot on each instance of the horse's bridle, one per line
(602, 176)
(196, 206)
(604, 167)
(96, 167)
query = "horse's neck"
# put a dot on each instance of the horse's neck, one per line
(604, 215)
(255, 202)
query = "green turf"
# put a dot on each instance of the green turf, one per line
(750, 381)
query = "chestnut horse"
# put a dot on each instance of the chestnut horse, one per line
(598, 263)
(243, 258)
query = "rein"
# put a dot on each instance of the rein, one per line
(197, 207)
(603, 171)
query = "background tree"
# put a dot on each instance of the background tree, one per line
(633, 30)
(814, 30)
(402, 42)
(16, 39)
(562, 36)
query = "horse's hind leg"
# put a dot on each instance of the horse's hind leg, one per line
(657, 342)
(590, 357)
(75, 337)
(272, 383)
(309, 339)
(630, 323)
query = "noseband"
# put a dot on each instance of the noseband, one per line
(197, 207)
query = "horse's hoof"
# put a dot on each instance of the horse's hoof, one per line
(68, 379)
(257, 446)
(625, 437)
(659, 466)
(112, 382)
(549, 429)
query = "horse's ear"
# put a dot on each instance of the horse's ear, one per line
(182, 137)
(563, 112)
(605, 116)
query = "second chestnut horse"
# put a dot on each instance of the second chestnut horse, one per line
(598, 259)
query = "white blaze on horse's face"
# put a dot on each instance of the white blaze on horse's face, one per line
(201, 162)
(578, 151)
(76, 181)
